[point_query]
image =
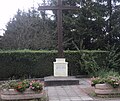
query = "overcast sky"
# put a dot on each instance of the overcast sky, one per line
(8, 9)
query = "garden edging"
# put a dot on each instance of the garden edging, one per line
(12, 94)
(106, 89)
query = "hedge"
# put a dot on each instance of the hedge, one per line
(32, 63)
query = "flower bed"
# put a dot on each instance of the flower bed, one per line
(106, 86)
(20, 90)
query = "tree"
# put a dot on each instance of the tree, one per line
(95, 25)
(111, 6)
(91, 27)
(116, 26)
(28, 30)
(0, 42)
(85, 27)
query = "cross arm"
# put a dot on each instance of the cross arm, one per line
(47, 8)
(58, 8)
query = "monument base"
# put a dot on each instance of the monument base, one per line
(58, 81)
(60, 68)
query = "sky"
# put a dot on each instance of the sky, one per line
(8, 8)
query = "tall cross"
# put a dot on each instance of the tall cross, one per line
(59, 9)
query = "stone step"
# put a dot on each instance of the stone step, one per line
(58, 81)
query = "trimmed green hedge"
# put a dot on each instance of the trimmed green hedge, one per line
(21, 63)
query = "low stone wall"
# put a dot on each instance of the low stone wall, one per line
(12, 94)
(106, 89)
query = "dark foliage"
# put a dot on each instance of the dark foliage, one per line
(39, 63)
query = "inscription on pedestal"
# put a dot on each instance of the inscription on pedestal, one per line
(60, 71)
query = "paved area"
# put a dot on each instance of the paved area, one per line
(67, 93)
(81, 92)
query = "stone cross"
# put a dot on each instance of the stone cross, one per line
(59, 9)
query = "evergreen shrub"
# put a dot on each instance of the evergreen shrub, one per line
(30, 63)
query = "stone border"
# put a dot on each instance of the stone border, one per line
(12, 94)
(106, 89)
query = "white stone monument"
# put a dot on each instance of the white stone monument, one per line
(60, 68)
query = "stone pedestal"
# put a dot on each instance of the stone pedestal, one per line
(60, 68)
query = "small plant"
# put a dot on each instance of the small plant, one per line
(36, 85)
(112, 60)
(97, 80)
(88, 64)
(112, 80)
(19, 85)
(22, 85)
(105, 72)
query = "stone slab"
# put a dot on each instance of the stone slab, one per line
(58, 81)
